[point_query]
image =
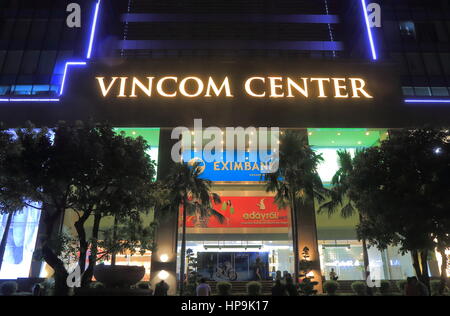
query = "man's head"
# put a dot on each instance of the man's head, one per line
(203, 280)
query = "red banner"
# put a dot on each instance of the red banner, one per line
(243, 212)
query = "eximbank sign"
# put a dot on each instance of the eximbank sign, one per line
(282, 92)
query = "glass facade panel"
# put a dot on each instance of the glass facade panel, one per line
(20, 244)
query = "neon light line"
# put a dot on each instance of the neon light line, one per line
(427, 101)
(66, 67)
(369, 31)
(29, 100)
(93, 29)
(69, 63)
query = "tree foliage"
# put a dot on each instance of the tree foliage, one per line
(87, 169)
(403, 190)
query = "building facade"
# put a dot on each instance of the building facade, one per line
(342, 72)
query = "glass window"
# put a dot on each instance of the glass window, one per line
(422, 91)
(46, 62)
(344, 257)
(30, 62)
(41, 89)
(441, 32)
(4, 90)
(12, 63)
(408, 91)
(6, 29)
(432, 64)
(20, 243)
(445, 59)
(2, 58)
(415, 64)
(20, 31)
(22, 89)
(400, 60)
(440, 91)
(37, 32)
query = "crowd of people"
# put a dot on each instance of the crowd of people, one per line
(285, 286)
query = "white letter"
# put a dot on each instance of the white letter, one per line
(225, 85)
(248, 88)
(355, 88)
(320, 82)
(274, 86)
(101, 82)
(338, 87)
(200, 87)
(303, 91)
(123, 82)
(160, 90)
(136, 82)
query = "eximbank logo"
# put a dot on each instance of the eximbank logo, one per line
(255, 87)
(233, 149)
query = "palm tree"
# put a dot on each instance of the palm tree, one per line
(341, 199)
(296, 180)
(193, 195)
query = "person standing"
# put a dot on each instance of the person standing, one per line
(333, 275)
(161, 289)
(291, 289)
(203, 289)
(279, 289)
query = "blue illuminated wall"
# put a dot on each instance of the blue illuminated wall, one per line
(21, 243)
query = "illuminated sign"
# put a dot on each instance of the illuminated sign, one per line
(223, 170)
(257, 87)
(271, 92)
(243, 211)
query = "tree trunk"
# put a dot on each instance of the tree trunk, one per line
(366, 262)
(79, 227)
(61, 275)
(444, 266)
(5, 238)
(89, 273)
(416, 263)
(424, 263)
(295, 245)
(366, 267)
(183, 250)
(113, 256)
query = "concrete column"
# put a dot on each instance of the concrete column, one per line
(164, 259)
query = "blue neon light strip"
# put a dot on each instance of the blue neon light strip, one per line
(93, 29)
(427, 101)
(369, 31)
(68, 64)
(224, 17)
(29, 100)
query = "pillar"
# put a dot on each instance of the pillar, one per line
(164, 259)
(307, 234)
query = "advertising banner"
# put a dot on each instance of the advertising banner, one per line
(224, 170)
(233, 266)
(243, 212)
